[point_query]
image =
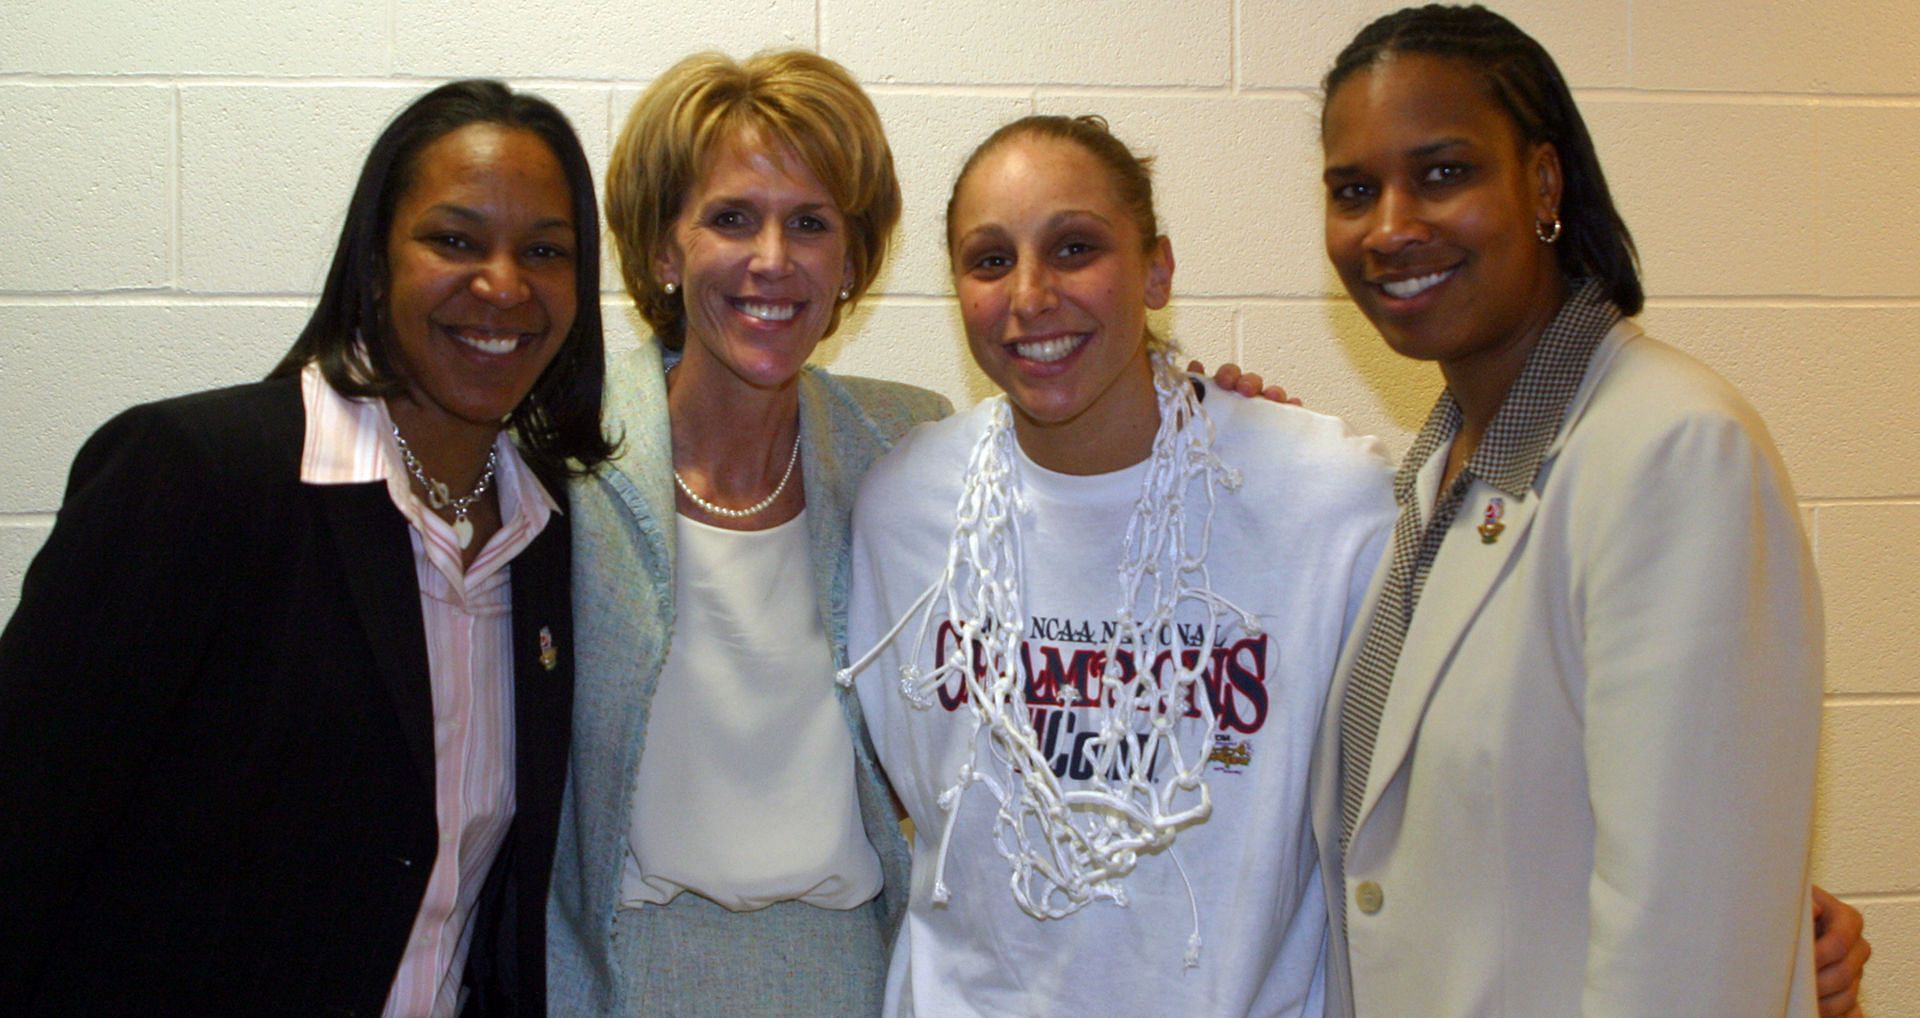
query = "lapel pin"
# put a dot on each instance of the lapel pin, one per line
(1490, 526)
(549, 656)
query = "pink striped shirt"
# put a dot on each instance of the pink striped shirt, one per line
(469, 630)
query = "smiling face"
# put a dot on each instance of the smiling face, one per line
(759, 254)
(1055, 282)
(481, 288)
(1432, 199)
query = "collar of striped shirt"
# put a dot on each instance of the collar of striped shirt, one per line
(350, 441)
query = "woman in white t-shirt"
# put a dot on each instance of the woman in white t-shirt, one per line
(1102, 691)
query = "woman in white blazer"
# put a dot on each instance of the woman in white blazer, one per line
(1567, 765)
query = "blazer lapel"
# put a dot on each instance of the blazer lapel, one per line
(623, 521)
(636, 411)
(1470, 568)
(830, 495)
(375, 554)
(542, 663)
(1324, 774)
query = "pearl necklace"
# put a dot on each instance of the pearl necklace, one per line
(440, 498)
(752, 510)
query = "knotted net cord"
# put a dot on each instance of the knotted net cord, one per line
(1067, 847)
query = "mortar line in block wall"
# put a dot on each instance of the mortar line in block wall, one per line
(1706, 97)
(609, 269)
(152, 297)
(1631, 94)
(1629, 41)
(411, 81)
(1063, 90)
(1233, 85)
(1233, 46)
(1863, 700)
(108, 295)
(1785, 301)
(1847, 502)
(1857, 898)
(934, 90)
(1310, 91)
(417, 80)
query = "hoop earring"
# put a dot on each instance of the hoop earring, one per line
(671, 288)
(1547, 232)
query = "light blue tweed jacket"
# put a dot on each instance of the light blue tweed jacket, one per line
(623, 555)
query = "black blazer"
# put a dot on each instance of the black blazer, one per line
(216, 753)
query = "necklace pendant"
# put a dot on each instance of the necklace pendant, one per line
(462, 532)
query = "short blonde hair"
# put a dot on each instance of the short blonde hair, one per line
(786, 98)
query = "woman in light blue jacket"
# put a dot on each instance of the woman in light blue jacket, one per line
(728, 845)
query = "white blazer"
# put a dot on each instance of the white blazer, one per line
(1592, 789)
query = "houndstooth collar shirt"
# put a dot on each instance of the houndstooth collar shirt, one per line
(1508, 458)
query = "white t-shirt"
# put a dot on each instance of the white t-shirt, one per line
(1296, 545)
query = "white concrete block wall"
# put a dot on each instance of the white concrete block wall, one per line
(89, 186)
(172, 178)
(1236, 161)
(932, 133)
(1017, 42)
(68, 367)
(1858, 47)
(263, 218)
(599, 40)
(198, 38)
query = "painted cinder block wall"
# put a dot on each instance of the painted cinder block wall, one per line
(172, 177)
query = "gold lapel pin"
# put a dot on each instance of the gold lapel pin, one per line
(1491, 526)
(549, 655)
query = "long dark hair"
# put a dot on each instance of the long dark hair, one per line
(1530, 87)
(348, 335)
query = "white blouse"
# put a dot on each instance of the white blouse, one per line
(745, 791)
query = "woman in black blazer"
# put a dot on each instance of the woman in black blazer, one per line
(221, 705)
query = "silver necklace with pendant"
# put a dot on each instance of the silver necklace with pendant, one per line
(440, 498)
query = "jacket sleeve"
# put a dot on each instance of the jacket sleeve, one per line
(114, 614)
(1703, 658)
